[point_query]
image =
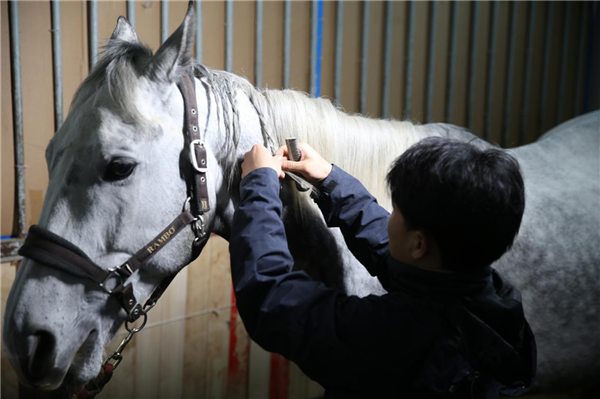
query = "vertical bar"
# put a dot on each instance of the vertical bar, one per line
(545, 73)
(57, 64)
(259, 44)
(385, 100)
(578, 103)
(199, 32)
(508, 92)
(409, 60)
(452, 71)
(491, 70)
(528, 72)
(431, 58)
(164, 20)
(319, 48)
(339, 32)
(287, 38)
(364, 61)
(564, 64)
(93, 16)
(15, 56)
(474, 25)
(131, 12)
(229, 36)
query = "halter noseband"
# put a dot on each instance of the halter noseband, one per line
(52, 250)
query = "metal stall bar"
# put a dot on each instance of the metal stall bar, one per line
(452, 70)
(57, 64)
(409, 60)
(545, 73)
(474, 28)
(287, 38)
(131, 12)
(259, 44)
(564, 64)
(229, 36)
(93, 17)
(316, 41)
(528, 72)
(578, 103)
(364, 60)
(491, 69)
(508, 92)
(431, 58)
(385, 100)
(12, 245)
(199, 31)
(164, 20)
(339, 31)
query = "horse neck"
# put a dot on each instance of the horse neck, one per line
(361, 146)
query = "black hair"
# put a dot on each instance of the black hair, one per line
(469, 200)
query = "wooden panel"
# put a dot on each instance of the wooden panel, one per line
(147, 23)
(461, 78)
(537, 64)
(441, 65)
(499, 79)
(420, 50)
(244, 38)
(195, 356)
(481, 70)
(300, 42)
(38, 99)
(350, 90)
(213, 37)
(550, 107)
(74, 40)
(328, 50)
(108, 13)
(218, 324)
(273, 44)
(375, 57)
(398, 60)
(8, 159)
(518, 75)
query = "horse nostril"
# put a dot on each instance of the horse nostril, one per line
(44, 353)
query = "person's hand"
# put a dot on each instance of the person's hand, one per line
(311, 165)
(260, 157)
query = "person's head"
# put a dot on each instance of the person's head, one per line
(454, 203)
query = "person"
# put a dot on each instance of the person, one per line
(450, 325)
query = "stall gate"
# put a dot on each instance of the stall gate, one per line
(507, 70)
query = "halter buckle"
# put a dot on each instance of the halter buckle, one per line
(112, 274)
(199, 228)
(200, 169)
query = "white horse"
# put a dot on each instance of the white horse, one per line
(129, 114)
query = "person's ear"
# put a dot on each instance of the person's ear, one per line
(421, 245)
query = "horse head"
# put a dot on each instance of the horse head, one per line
(119, 172)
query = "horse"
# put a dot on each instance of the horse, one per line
(118, 173)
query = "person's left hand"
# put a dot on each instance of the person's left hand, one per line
(260, 157)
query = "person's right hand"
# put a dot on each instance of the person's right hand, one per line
(311, 165)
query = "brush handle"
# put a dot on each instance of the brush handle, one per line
(292, 147)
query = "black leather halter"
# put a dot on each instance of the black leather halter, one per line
(52, 250)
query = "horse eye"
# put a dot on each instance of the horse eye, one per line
(119, 169)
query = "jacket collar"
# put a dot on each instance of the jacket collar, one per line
(399, 276)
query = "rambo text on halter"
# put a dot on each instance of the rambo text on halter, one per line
(52, 250)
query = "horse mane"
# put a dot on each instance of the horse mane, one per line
(362, 146)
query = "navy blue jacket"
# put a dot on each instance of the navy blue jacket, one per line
(433, 335)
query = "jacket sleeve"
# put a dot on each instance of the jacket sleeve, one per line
(346, 203)
(284, 311)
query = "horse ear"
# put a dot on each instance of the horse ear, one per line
(175, 54)
(123, 32)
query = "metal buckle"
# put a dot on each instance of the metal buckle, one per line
(113, 274)
(199, 228)
(193, 156)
